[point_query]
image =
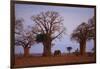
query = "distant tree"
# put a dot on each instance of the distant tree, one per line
(69, 49)
(80, 34)
(92, 31)
(48, 26)
(57, 52)
(22, 37)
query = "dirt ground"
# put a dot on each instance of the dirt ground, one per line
(52, 60)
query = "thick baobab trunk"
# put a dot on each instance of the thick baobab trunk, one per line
(26, 51)
(47, 48)
(82, 48)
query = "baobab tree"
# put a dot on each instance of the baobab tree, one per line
(80, 34)
(48, 26)
(69, 49)
(23, 37)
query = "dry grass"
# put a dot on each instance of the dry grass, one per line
(52, 60)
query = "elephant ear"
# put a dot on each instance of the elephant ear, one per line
(40, 37)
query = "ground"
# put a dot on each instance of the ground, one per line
(52, 60)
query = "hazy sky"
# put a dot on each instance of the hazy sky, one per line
(73, 16)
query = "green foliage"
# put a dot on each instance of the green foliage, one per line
(40, 37)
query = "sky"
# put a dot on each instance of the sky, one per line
(73, 16)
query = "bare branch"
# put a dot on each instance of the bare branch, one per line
(58, 35)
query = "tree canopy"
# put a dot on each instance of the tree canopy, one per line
(49, 22)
